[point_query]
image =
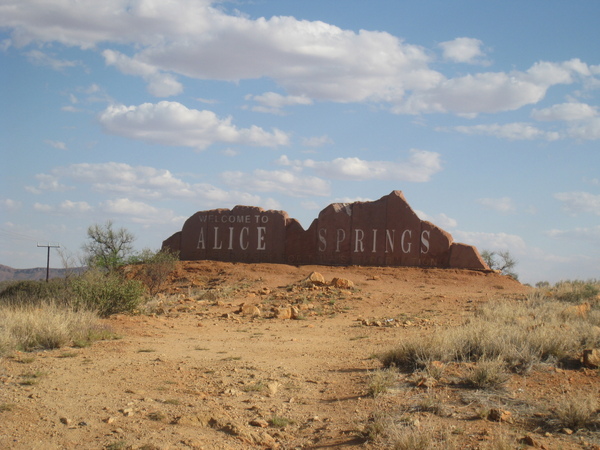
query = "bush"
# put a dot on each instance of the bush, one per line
(107, 293)
(502, 261)
(575, 291)
(154, 268)
(106, 247)
(29, 292)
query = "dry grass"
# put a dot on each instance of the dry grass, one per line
(576, 412)
(519, 333)
(400, 432)
(46, 326)
(551, 326)
(380, 381)
(487, 374)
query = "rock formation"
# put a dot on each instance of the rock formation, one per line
(385, 232)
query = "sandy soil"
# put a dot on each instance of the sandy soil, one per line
(200, 374)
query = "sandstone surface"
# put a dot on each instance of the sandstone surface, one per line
(385, 232)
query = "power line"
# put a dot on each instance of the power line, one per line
(16, 236)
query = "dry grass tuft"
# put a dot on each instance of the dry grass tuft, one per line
(46, 326)
(380, 381)
(487, 374)
(519, 333)
(400, 432)
(576, 412)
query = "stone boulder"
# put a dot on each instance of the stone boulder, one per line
(385, 232)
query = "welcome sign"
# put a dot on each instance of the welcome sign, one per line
(386, 232)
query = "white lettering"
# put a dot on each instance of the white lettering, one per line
(217, 240)
(405, 249)
(230, 239)
(261, 237)
(358, 240)
(201, 239)
(374, 240)
(425, 240)
(242, 246)
(389, 241)
(264, 219)
(341, 235)
(322, 241)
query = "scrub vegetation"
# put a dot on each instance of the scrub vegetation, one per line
(36, 315)
(505, 341)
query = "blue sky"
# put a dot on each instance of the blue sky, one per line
(485, 114)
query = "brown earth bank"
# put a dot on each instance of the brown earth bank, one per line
(219, 364)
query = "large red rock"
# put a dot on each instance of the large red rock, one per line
(243, 234)
(386, 232)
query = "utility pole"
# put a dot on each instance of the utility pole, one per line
(48, 260)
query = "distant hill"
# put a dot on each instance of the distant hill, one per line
(39, 273)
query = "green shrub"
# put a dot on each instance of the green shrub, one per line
(154, 268)
(29, 292)
(107, 293)
(576, 291)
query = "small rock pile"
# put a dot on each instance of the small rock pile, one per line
(291, 309)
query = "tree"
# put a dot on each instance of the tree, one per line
(108, 248)
(502, 261)
(154, 268)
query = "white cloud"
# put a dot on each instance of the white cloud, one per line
(138, 212)
(143, 183)
(70, 108)
(40, 58)
(591, 234)
(282, 181)
(66, 207)
(308, 59)
(464, 50)
(310, 205)
(41, 207)
(483, 92)
(70, 206)
(583, 120)
(503, 205)
(159, 84)
(9, 204)
(565, 111)
(171, 123)
(420, 167)
(272, 102)
(317, 141)
(47, 182)
(351, 199)
(586, 130)
(74, 23)
(491, 91)
(579, 202)
(511, 131)
(56, 144)
(492, 241)
(441, 219)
